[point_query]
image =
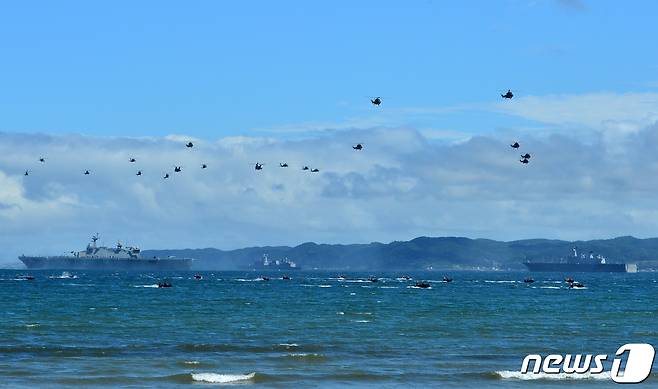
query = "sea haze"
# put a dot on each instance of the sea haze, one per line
(424, 252)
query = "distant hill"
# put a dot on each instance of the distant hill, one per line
(424, 252)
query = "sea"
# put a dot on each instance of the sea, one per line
(315, 330)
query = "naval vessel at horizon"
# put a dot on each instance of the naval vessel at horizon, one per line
(275, 264)
(582, 263)
(105, 258)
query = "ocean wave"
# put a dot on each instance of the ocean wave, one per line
(63, 276)
(61, 351)
(222, 378)
(508, 374)
(288, 345)
(306, 356)
(224, 347)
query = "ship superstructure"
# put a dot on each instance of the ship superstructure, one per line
(275, 264)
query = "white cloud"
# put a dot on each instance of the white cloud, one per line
(400, 186)
(627, 112)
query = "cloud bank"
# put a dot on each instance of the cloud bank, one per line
(403, 184)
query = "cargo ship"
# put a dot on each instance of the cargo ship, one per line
(105, 258)
(582, 263)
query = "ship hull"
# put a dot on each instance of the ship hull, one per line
(128, 264)
(581, 267)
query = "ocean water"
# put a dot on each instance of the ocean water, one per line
(315, 330)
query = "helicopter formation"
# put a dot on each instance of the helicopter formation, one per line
(376, 101)
(525, 158)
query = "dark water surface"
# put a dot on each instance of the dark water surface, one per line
(119, 329)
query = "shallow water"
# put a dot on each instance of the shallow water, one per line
(119, 329)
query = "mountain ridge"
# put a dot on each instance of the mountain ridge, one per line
(424, 252)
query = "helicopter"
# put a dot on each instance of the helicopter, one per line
(203, 166)
(132, 160)
(87, 173)
(305, 168)
(376, 101)
(358, 146)
(42, 160)
(524, 161)
(178, 169)
(315, 170)
(526, 156)
(283, 164)
(515, 145)
(507, 95)
(189, 145)
(258, 166)
(139, 173)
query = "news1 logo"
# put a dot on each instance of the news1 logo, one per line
(637, 359)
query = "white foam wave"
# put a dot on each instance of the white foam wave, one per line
(388, 287)
(305, 355)
(191, 362)
(499, 282)
(507, 374)
(64, 275)
(417, 287)
(549, 287)
(288, 345)
(361, 321)
(222, 378)
(324, 286)
(146, 286)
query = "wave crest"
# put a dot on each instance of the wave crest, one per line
(507, 374)
(222, 378)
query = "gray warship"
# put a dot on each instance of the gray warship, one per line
(278, 264)
(106, 258)
(582, 263)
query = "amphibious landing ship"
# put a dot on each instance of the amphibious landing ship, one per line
(581, 263)
(106, 258)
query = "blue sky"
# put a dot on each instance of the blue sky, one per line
(212, 69)
(90, 84)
